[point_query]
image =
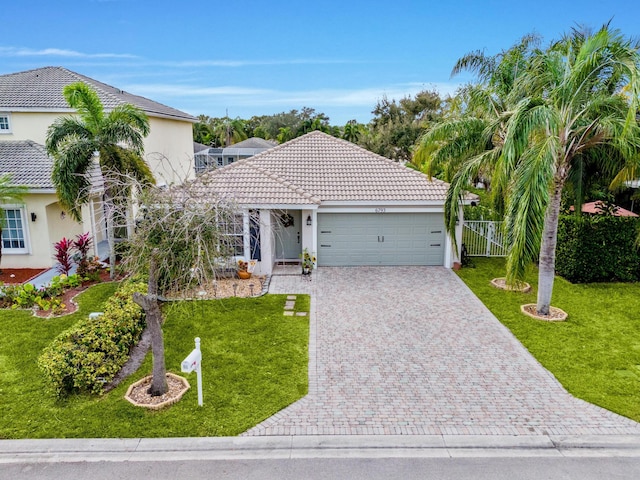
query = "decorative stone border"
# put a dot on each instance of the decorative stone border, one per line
(555, 314)
(501, 283)
(157, 406)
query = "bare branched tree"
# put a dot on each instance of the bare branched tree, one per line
(182, 238)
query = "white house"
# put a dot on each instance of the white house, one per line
(337, 200)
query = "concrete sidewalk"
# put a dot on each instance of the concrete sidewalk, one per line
(299, 447)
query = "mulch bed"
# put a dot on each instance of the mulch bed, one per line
(18, 276)
(555, 314)
(70, 305)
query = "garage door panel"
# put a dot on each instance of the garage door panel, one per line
(380, 239)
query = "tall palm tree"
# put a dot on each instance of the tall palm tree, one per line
(9, 193)
(476, 125)
(574, 110)
(118, 139)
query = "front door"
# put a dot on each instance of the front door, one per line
(288, 233)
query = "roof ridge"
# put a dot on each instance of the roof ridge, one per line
(286, 183)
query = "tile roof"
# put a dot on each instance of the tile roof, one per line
(317, 168)
(254, 142)
(41, 90)
(30, 165)
(599, 208)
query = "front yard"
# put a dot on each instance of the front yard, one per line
(254, 364)
(595, 354)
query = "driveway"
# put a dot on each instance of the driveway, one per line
(411, 350)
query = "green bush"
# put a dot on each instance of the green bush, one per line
(88, 355)
(597, 248)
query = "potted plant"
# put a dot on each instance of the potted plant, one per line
(308, 262)
(243, 269)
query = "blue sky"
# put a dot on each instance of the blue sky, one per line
(254, 58)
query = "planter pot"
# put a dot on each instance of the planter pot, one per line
(306, 271)
(243, 275)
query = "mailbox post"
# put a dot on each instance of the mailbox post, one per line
(194, 362)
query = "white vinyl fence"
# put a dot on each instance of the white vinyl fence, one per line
(483, 238)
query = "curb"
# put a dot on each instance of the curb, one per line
(301, 447)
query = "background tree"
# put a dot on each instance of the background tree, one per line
(396, 126)
(116, 136)
(9, 193)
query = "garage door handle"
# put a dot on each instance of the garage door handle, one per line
(380, 239)
(326, 246)
(435, 244)
(325, 231)
(436, 231)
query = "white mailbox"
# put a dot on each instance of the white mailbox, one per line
(194, 362)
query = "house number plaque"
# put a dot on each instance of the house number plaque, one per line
(380, 210)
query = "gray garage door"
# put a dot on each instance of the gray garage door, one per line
(350, 239)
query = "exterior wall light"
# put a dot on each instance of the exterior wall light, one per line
(309, 220)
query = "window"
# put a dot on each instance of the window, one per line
(219, 160)
(14, 237)
(5, 124)
(230, 160)
(233, 241)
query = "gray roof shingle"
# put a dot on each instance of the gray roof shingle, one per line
(41, 90)
(317, 168)
(29, 164)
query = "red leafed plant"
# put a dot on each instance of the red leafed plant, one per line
(63, 255)
(82, 244)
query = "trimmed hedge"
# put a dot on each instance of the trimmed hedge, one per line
(89, 354)
(597, 248)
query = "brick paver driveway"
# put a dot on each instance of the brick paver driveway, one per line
(410, 350)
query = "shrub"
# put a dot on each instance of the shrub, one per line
(82, 244)
(63, 255)
(597, 248)
(90, 354)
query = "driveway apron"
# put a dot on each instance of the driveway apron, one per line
(411, 350)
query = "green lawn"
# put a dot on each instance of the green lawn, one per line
(254, 364)
(595, 354)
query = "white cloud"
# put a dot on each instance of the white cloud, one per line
(57, 52)
(246, 96)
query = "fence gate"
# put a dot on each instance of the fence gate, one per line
(483, 238)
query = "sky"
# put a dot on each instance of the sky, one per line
(245, 58)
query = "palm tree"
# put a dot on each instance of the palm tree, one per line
(476, 126)
(351, 131)
(9, 193)
(73, 141)
(573, 110)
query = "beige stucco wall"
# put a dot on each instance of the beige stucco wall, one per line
(48, 228)
(168, 148)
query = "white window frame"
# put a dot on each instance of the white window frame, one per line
(8, 130)
(25, 231)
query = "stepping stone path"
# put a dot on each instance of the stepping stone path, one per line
(290, 307)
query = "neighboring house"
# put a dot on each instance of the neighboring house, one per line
(32, 227)
(600, 208)
(211, 157)
(29, 102)
(331, 197)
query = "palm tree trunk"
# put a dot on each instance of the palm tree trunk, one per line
(151, 307)
(547, 266)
